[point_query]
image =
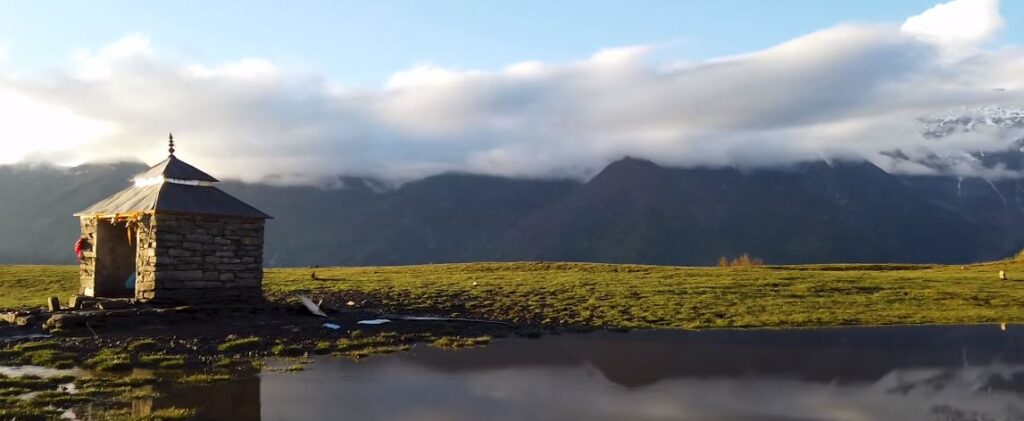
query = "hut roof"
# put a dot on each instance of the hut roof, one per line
(177, 187)
(175, 169)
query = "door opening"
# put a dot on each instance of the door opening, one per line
(116, 248)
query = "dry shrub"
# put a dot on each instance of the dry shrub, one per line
(743, 261)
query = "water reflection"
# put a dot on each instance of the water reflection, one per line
(939, 373)
(237, 400)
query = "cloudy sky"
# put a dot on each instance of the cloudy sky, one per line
(299, 91)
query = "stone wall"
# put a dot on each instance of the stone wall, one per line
(87, 266)
(200, 258)
(145, 258)
(113, 254)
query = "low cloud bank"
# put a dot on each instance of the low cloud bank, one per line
(849, 91)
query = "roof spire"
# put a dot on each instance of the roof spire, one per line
(170, 138)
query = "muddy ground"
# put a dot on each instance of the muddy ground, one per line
(198, 331)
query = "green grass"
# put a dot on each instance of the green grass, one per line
(164, 414)
(142, 345)
(162, 361)
(40, 407)
(239, 345)
(457, 342)
(110, 359)
(204, 378)
(285, 350)
(636, 296)
(49, 358)
(18, 412)
(29, 286)
(167, 414)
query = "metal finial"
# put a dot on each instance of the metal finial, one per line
(170, 138)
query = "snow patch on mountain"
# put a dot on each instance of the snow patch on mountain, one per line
(986, 142)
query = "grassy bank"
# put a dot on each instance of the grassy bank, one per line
(22, 286)
(633, 296)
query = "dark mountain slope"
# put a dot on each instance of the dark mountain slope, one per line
(447, 218)
(36, 203)
(634, 211)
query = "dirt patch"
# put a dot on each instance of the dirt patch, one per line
(194, 336)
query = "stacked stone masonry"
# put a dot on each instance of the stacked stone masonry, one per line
(202, 258)
(192, 258)
(87, 263)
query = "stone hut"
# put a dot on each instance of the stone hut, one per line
(172, 237)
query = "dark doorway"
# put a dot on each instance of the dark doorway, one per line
(115, 260)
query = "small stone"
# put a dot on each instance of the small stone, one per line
(53, 304)
(9, 317)
(26, 320)
(76, 301)
(114, 305)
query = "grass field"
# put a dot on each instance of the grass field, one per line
(633, 296)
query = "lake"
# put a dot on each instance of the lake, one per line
(878, 373)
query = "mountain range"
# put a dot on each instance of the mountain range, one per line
(633, 211)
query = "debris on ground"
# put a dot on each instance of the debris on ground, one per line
(311, 306)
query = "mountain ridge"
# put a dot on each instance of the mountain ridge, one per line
(633, 211)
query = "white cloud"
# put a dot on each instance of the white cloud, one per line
(90, 65)
(63, 129)
(958, 21)
(845, 91)
(251, 68)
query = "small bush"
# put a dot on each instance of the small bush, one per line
(743, 261)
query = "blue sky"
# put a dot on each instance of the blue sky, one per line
(364, 42)
(299, 92)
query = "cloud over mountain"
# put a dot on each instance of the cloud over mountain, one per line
(853, 90)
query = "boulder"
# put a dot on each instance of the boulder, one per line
(64, 321)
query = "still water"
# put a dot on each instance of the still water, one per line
(891, 373)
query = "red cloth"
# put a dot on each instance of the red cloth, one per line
(79, 246)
